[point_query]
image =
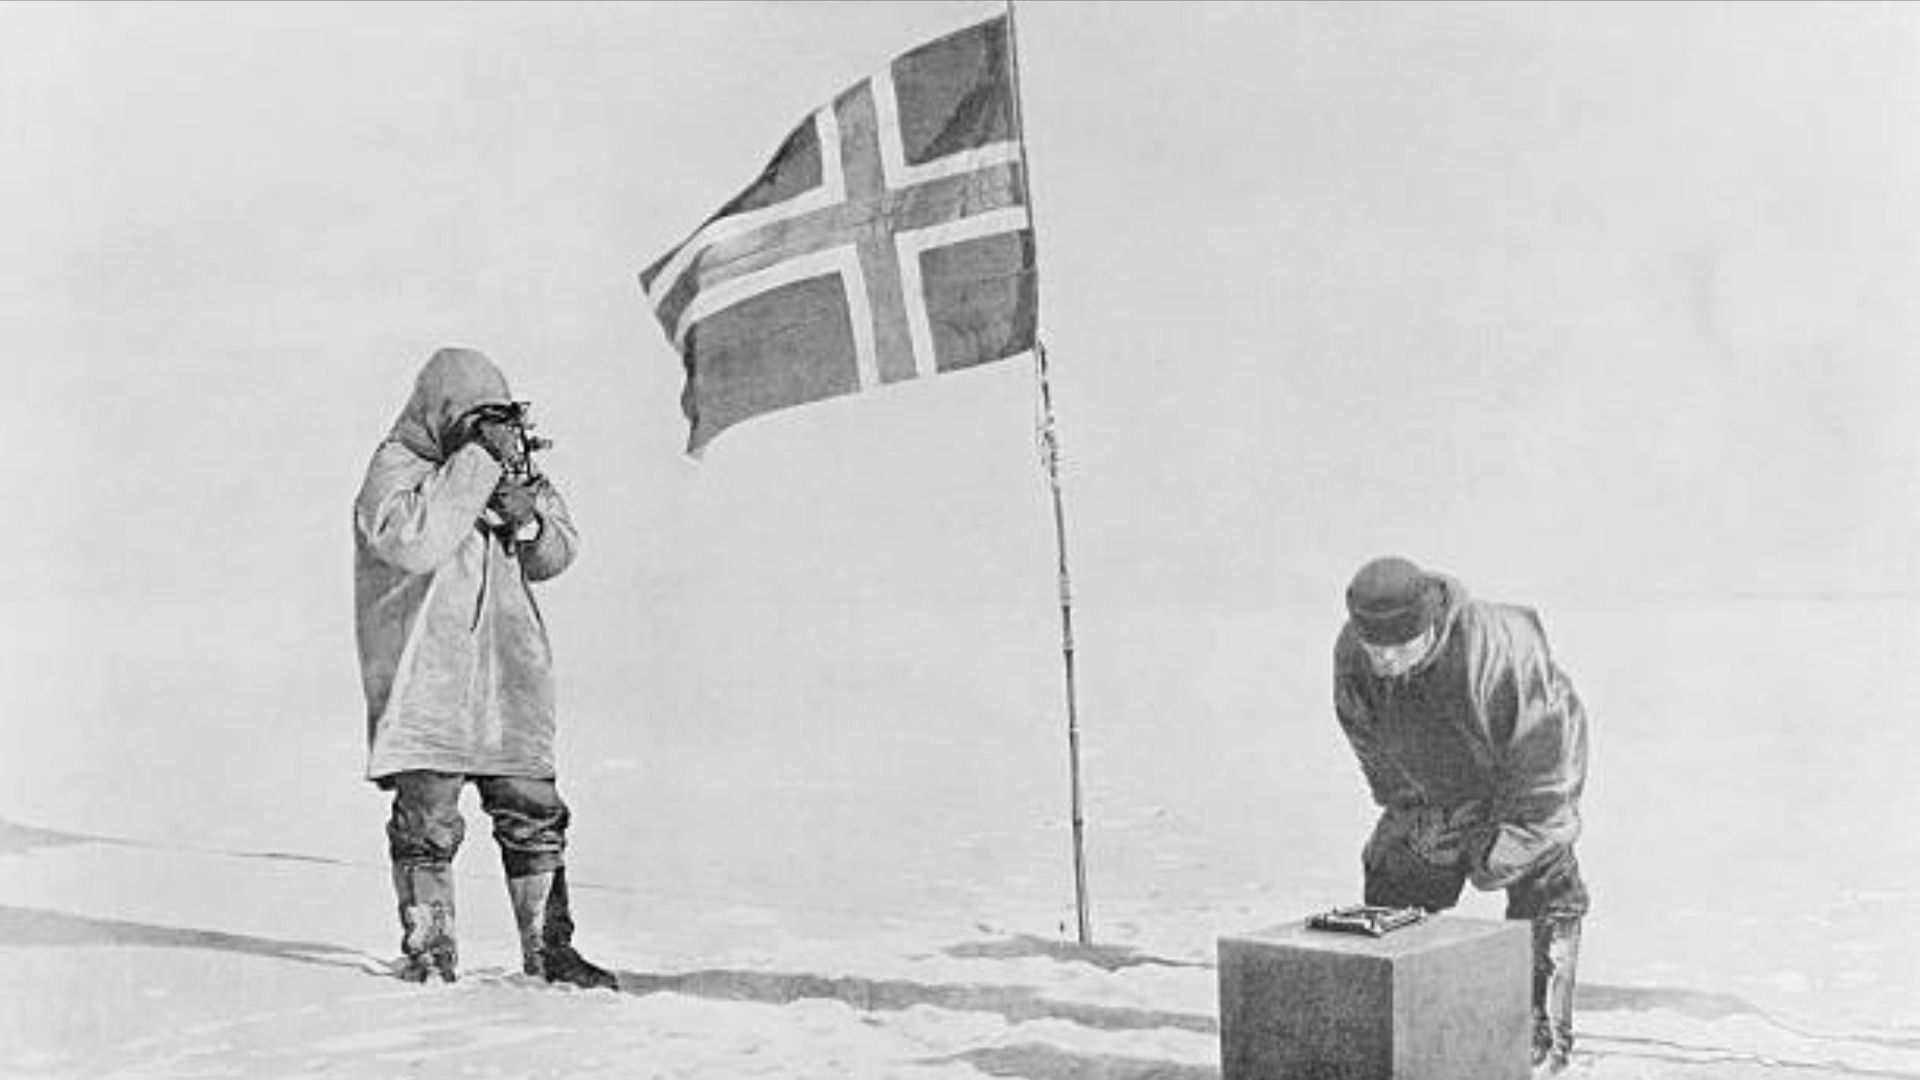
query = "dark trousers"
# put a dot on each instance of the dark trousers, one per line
(1551, 895)
(425, 830)
(1397, 877)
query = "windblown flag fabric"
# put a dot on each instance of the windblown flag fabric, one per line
(888, 239)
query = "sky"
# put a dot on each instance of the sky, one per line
(1593, 305)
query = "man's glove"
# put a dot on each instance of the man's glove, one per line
(516, 501)
(1442, 835)
(496, 429)
(502, 439)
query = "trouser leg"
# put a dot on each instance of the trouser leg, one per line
(530, 822)
(1552, 896)
(423, 835)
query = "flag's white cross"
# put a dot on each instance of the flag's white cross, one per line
(867, 224)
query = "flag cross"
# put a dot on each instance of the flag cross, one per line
(867, 223)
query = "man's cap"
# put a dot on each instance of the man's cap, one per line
(1392, 601)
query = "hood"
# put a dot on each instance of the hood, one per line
(453, 381)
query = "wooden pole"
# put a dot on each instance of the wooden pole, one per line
(1050, 451)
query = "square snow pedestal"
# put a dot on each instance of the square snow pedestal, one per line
(1446, 999)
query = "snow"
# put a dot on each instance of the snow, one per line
(951, 956)
(876, 903)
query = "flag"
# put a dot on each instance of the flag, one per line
(888, 239)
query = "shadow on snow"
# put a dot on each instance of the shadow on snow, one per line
(1016, 1004)
(34, 926)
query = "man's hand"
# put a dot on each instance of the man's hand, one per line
(1441, 835)
(502, 440)
(494, 431)
(516, 500)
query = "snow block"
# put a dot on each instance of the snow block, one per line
(1447, 999)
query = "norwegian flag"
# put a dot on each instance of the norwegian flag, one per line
(888, 239)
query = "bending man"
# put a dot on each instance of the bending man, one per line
(1475, 746)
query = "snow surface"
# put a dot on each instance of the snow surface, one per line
(858, 900)
(128, 960)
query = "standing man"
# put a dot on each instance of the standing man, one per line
(451, 527)
(1475, 746)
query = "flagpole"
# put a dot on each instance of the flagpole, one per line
(1050, 451)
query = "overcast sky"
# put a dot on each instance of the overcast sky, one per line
(1577, 297)
(1581, 302)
